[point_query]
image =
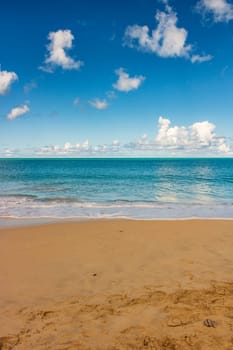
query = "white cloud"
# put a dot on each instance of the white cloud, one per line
(221, 10)
(127, 83)
(222, 147)
(67, 146)
(170, 136)
(8, 153)
(197, 139)
(116, 143)
(70, 148)
(79, 149)
(85, 145)
(60, 42)
(202, 133)
(167, 40)
(98, 104)
(6, 80)
(200, 59)
(84, 148)
(17, 112)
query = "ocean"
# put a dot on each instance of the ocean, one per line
(115, 188)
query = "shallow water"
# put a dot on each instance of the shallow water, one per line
(115, 188)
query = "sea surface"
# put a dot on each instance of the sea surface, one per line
(115, 188)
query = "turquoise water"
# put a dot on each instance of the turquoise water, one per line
(106, 188)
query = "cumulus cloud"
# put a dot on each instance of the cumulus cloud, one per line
(202, 133)
(99, 104)
(221, 10)
(170, 136)
(6, 80)
(125, 82)
(166, 40)
(18, 111)
(198, 137)
(223, 147)
(200, 59)
(60, 42)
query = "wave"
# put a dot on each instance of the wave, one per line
(19, 195)
(56, 201)
(59, 199)
(29, 207)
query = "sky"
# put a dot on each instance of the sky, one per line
(99, 78)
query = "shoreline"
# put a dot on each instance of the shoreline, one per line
(117, 284)
(31, 222)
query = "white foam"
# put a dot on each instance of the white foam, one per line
(24, 208)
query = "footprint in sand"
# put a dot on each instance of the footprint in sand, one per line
(7, 343)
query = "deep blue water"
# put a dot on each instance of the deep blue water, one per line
(137, 188)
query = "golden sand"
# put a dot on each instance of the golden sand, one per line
(117, 285)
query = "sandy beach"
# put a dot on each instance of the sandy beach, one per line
(117, 285)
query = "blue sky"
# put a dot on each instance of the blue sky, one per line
(116, 78)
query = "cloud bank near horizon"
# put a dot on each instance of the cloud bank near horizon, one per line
(199, 138)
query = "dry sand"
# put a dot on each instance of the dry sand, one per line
(117, 285)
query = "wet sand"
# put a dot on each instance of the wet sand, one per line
(117, 285)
